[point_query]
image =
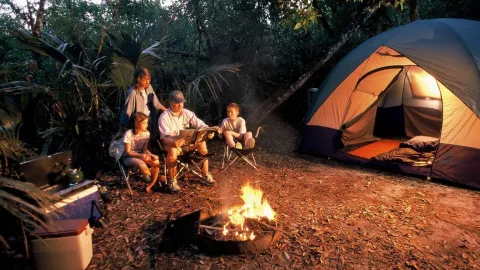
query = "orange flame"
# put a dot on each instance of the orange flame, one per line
(254, 208)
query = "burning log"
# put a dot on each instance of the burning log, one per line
(248, 228)
(221, 229)
(237, 221)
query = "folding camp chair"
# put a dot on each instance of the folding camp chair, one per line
(116, 151)
(189, 162)
(126, 175)
(245, 154)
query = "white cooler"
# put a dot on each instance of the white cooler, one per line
(67, 244)
(77, 206)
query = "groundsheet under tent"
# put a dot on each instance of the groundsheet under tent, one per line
(376, 148)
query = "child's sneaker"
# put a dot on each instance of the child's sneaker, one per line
(208, 179)
(238, 145)
(250, 143)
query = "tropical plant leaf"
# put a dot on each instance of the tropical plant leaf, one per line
(210, 76)
(27, 203)
(20, 87)
(35, 44)
(11, 147)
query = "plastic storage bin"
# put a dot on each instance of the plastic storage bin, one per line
(66, 244)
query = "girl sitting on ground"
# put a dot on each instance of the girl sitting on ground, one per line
(136, 149)
(234, 127)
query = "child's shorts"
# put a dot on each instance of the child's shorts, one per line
(133, 162)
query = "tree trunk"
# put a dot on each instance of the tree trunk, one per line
(283, 94)
(201, 28)
(38, 26)
(413, 10)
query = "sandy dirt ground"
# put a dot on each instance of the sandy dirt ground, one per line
(334, 216)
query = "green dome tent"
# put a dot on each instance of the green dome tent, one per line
(408, 100)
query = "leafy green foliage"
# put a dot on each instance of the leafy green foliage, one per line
(394, 3)
(301, 13)
(273, 40)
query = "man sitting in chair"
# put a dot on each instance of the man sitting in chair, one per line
(170, 123)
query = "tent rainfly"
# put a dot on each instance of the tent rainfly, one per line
(408, 100)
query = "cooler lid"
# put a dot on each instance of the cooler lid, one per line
(62, 228)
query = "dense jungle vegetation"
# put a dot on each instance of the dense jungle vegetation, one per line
(65, 65)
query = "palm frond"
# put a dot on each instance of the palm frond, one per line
(125, 62)
(122, 72)
(35, 44)
(41, 198)
(11, 147)
(98, 61)
(151, 50)
(63, 68)
(17, 87)
(210, 76)
(49, 132)
(148, 56)
(127, 47)
(27, 203)
(55, 38)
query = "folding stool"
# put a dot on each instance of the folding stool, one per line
(190, 162)
(246, 154)
(239, 153)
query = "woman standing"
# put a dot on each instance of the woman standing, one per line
(141, 98)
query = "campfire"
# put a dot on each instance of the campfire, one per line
(255, 219)
(250, 227)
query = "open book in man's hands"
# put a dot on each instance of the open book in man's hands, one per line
(192, 136)
(206, 133)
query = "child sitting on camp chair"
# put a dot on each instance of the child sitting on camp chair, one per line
(234, 127)
(136, 149)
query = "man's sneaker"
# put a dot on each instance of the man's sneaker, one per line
(208, 179)
(238, 145)
(173, 186)
(250, 143)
